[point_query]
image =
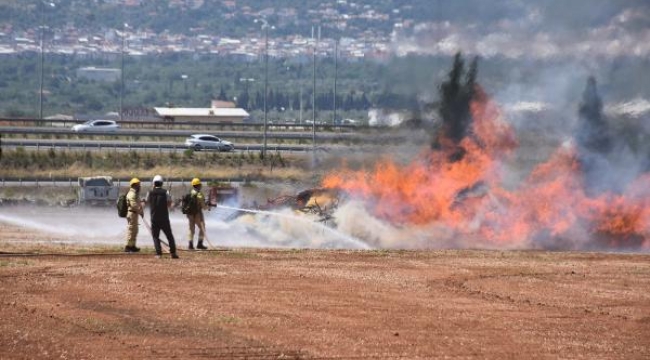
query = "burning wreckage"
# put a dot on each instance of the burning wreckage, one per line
(320, 203)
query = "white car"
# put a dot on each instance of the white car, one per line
(97, 125)
(198, 142)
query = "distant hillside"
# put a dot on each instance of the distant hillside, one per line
(234, 18)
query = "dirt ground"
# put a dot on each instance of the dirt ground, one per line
(97, 303)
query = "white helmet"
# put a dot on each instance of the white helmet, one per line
(157, 178)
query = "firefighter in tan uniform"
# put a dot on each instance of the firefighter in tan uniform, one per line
(196, 217)
(134, 212)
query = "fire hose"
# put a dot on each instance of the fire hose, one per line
(201, 224)
(146, 224)
(205, 233)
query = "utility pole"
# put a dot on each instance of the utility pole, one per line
(122, 71)
(336, 67)
(300, 118)
(266, 85)
(42, 58)
(265, 27)
(313, 94)
(40, 84)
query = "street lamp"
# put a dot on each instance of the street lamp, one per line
(42, 41)
(313, 95)
(336, 70)
(265, 27)
(125, 26)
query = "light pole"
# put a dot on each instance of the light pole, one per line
(336, 70)
(42, 41)
(125, 26)
(265, 27)
(313, 95)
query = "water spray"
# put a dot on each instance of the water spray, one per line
(328, 229)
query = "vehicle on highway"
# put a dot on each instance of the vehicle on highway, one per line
(97, 125)
(198, 142)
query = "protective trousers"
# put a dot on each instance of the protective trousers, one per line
(194, 221)
(131, 228)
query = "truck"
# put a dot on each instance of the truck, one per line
(97, 190)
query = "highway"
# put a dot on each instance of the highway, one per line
(146, 135)
(184, 133)
(137, 145)
(127, 139)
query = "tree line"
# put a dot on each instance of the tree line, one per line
(191, 81)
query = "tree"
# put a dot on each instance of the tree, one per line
(243, 99)
(594, 142)
(455, 98)
(295, 102)
(222, 95)
(593, 132)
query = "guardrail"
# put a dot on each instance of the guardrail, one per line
(185, 124)
(185, 133)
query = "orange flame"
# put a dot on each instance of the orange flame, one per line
(549, 209)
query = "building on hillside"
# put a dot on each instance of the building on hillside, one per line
(99, 74)
(211, 114)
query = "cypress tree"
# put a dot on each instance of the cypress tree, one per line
(455, 98)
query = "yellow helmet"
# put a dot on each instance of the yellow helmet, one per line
(196, 181)
(134, 181)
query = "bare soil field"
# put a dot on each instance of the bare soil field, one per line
(97, 303)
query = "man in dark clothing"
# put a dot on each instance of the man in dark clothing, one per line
(160, 201)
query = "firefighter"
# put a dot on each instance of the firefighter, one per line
(134, 211)
(160, 200)
(195, 217)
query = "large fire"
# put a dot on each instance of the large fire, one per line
(550, 209)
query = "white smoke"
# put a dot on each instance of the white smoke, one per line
(353, 218)
(380, 117)
(637, 107)
(535, 36)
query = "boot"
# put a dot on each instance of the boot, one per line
(191, 246)
(174, 256)
(131, 249)
(200, 245)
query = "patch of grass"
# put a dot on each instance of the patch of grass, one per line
(70, 165)
(8, 263)
(381, 252)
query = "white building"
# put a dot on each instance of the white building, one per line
(211, 114)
